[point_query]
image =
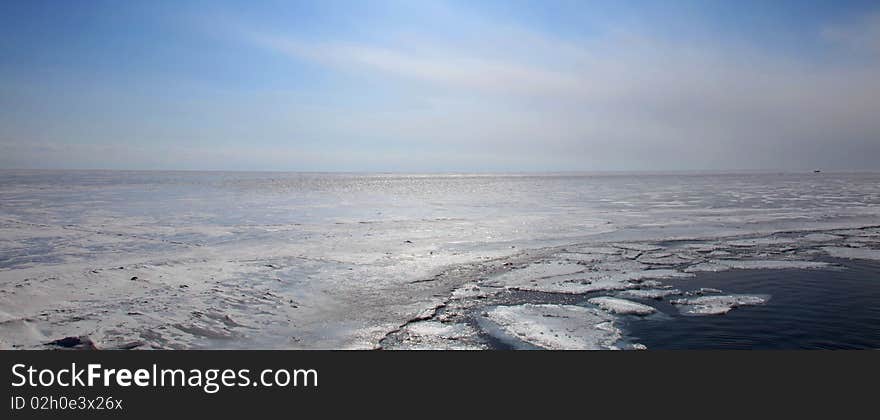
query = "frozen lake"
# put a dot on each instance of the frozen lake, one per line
(290, 260)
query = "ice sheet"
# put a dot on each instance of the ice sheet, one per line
(433, 335)
(557, 327)
(621, 306)
(285, 260)
(650, 293)
(717, 305)
(853, 253)
(770, 264)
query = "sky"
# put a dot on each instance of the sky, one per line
(440, 86)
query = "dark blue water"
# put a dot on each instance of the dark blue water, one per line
(809, 309)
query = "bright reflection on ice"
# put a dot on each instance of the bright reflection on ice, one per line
(717, 305)
(279, 260)
(557, 327)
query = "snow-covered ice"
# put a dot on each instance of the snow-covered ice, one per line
(717, 304)
(821, 237)
(770, 264)
(557, 327)
(170, 260)
(649, 293)
(433, 335)
(621, 306)
(745, 243)
(853, 253)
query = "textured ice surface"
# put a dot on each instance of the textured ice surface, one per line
(702, 291)
(649, 293)
(723, 265)
(770, 264)
(637, 247)
(664, 259)
(711, 266)
(433, 335)
(539, 270)
(745, 243)
(281, 260)
(471, 291)
(621, 306)
(593, 250)
(853, 253)
(702, 248)
(821, 237)
(604, 277)
(716, 305)
(557, 327)
(870, 232)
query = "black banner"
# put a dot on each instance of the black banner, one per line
(230, 384)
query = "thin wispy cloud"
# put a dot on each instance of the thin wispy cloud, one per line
(404, 86)
(625, 97)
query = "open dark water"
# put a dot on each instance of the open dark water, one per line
(809, 309)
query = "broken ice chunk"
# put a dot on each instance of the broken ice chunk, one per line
(650, 293)
(853, 253)
(771, 264)
(433, 335)
(821, 237)
(717, 305)
(594, 281)
(707, 266)
(621, 306)
(557, 327)
(746, 243)
(537, 271)
(722, 265)
(663, 259)
(473, 291)
(638, 247)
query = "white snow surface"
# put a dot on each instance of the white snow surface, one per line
(621, 306)
(557, 327)
(649, 293)
(170, 260)
(853, 253)
(717, 304)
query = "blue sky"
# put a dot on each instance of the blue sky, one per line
(440, 85)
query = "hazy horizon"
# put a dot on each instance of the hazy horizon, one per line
(757, 171)
(440, 86)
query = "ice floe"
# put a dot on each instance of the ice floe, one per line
(473, 291)
(621, 306)
(594, 281)
(853, 253)
(538, 270)
(638, 247)
(664, 259)
(822, 237)
(649, 293)
(745, 243)
(702, 248)
(771, 264)
(702, 291)
(433, 335)
(723, 265)
(557, 327)
(707, 267)
(593, 250)
(716, 305)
